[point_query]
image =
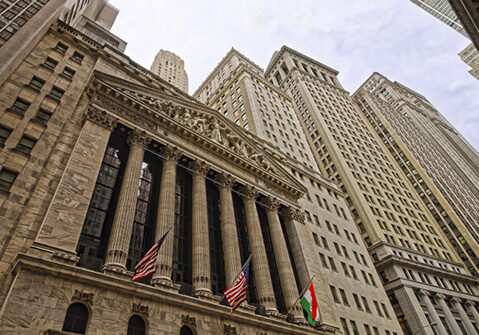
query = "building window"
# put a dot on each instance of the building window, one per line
(68, 73)
(344, 324)
(20, 106)
(36, 83)
(76, 319)
(43, 115)
(186, 331)
(136, 326)
(56, 93)
(6, 180)
(4, 133)
(77, 57)
(61, 48)
(50, 63)
(26, 145)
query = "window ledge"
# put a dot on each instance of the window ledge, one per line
(39, 122)
(54, 98)
(32, 88)
(20, 152)
(46, 67)
(64, 76)
(4, 193)
(76, 60)
(17, 114)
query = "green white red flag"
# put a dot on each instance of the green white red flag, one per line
(310, 305)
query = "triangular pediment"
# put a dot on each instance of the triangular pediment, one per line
(190, 115)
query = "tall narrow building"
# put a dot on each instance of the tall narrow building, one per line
(328, 241)
(171, 68)
(470, 56)
(437, 160)
(418, 266)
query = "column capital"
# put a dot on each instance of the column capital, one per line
(423, 292)
(469, 303)
(440, 296)
(290, 213)
(225, 180)
(170, 153)
(101, 118)
(455, 300)
(270, 203)
(140, 138)
(249, 192)
(198, 167)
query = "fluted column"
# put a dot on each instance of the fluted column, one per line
(283, 262)
(424, 296)
(120, 235)
(464, 317)
(264, 287)
(472, 309)
(229, 234)
(448, 314)
(166, 215)
(199, 225)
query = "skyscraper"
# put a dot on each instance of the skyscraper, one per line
(171, 68)
(333, 252)
(470, 56)
(439, 163)
(418, 266)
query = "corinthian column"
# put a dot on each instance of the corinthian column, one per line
(229, 234)
(449, 317)
(117, 251)
(264, 287)
(283, 262)
(166, 215)
(464, 317)
(199, 225)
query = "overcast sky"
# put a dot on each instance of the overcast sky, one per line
(356, 37)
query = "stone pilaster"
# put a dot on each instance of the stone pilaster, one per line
(166, 215)
(229, 234)
(199, 227)
(472, 309)
(448, 314)
(424, 296)
(264, 287)
(120, 235)
(464, 317)
(283, 262)
(63, 222)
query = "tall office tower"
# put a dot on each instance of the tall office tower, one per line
(348, 290)
(171, 68)
(418, 267)
(439, 163)
(441, 9)
(470, 56)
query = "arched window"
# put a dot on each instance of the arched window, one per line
(136, 326)
(76, 319)
(186, 331)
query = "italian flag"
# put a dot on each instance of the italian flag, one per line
(310, 305)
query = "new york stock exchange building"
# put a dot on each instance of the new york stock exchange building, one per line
(100, 158)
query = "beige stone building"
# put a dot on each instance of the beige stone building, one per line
(349, 291)
(428, 285)
(171, 68)
(470, 56)
(437, 160)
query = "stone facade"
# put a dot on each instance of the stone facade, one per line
(171, 68)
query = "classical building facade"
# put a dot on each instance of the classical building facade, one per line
(351, 295)
(418, 266)
(438, 161)
(171, 68)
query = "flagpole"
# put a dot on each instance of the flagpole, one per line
(301, 294)
(242, 269)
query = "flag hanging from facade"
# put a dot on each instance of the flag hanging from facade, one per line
(146, 266)
(310, 305)
(236, 294)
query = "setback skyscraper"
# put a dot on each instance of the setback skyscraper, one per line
(171, 68)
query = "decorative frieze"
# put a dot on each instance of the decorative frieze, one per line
(101, 118)
(229, 330)
(140, 309)
(83, 296)
(188, 320)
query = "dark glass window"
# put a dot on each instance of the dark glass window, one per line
(56, 93)
(186, 331)
(26, 145)
(4, 133)
(143, 233)
(6, 179)
(278, 293)
(61, 48)
(244, 246)
(182, 241)
(20, 106)
(96, 228)
(77, 57)
(36, 83)
(136, 326)
(50, 63)
(43, 115)
(216, 246)
(69, 73)
(76, 319)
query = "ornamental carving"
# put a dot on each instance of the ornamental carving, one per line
(101, 118)
(139, 138)
(248, 191)
(83, 296)
(140, 309)
(198, 167)
(225, 180)
(293, 214)
(270, 203)
(170, 153)
(188, 320)
(229, 330)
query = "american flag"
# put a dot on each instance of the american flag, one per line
(236, 294)
(146, 266)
